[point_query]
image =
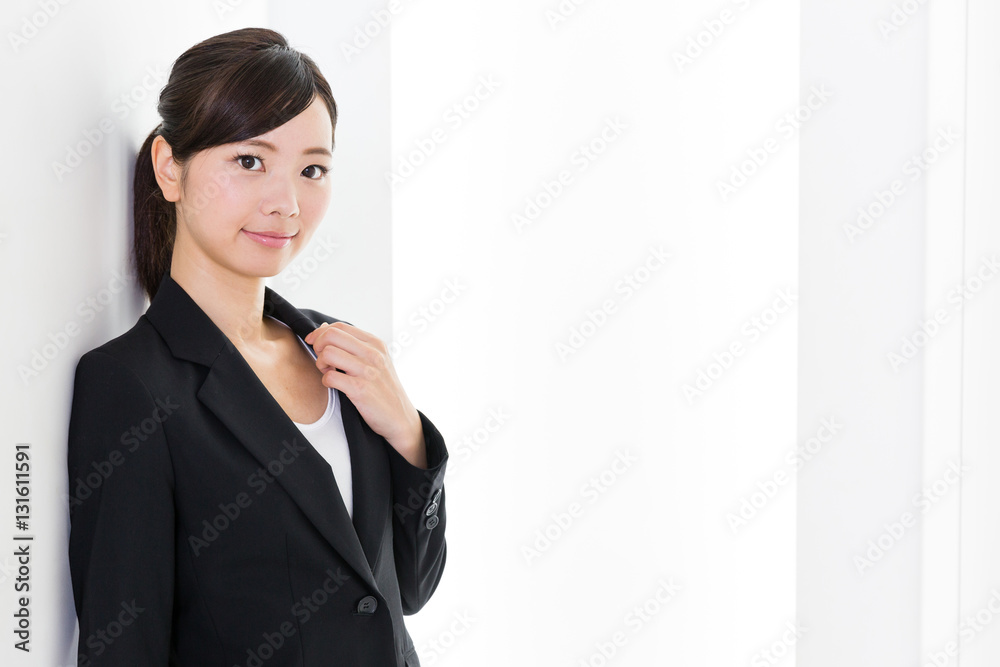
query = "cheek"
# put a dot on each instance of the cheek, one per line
(218, 195)
(239, 195)
(313, 203)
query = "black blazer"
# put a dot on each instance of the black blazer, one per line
(206, 530)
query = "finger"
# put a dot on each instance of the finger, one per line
(312, 334)
(360, 334)
(336, 357)
(346, 340)
(341, 381)
(321, 336)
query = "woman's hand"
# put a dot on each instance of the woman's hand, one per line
(370, 381)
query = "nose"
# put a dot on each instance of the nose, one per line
(280, 197)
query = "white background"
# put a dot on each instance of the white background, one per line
(482, 308)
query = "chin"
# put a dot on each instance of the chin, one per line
(262, 270)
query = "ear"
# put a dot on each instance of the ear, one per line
(168, 172)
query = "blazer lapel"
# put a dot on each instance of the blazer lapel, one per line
(234, 393)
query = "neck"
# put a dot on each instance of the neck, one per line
(234, 302)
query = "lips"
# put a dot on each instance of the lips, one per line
(275, 235)
(270, 239)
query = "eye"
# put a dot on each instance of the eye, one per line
(315, 172)
(247, 161)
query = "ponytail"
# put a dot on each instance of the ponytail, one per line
(154, 222)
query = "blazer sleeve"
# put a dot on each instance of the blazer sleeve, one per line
(419, 520)
(121, 498)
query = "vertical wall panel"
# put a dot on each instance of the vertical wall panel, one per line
(861, 280)
(942, 352)
(979, 621)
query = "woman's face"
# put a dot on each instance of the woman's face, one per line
(250, 207)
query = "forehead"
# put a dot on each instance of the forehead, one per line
(311, 126)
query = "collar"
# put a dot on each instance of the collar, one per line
(191, 334)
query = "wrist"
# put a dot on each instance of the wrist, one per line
(411, 445)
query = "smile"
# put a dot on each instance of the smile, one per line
(269, 240)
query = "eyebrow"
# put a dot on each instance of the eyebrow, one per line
(315, 150)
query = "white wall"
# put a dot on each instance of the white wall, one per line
(862, 290)
(903, 342)
(494, 348)
(978, 633)
(943, 354)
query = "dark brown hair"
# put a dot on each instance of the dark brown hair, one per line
(228, 88)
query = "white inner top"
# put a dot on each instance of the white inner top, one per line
(327, 436)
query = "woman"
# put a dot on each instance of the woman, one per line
(249, 483)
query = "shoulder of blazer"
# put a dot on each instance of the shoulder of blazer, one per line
(135, 348)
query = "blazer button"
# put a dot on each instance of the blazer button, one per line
(432, 521)
(436, 498)
(367, 605)
(432, 508)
